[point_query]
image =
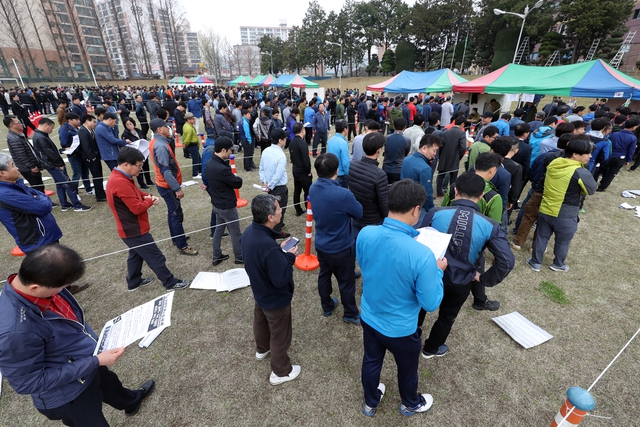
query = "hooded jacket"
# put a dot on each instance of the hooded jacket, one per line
(536, 138)
(566, 180)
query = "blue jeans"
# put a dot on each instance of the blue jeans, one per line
(63, 188)
(174, 217)
(79, 169)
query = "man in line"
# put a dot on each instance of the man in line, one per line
(623, 147)
(418, 168)
(415, 132)
(454, 146)
(393, 294)
(191, 144)
(273, 173)
(369, 184)
(22, 152)
(221, 185)
(108, 142)
(321, 126)
(46, 346)
(473, 232)
(141, 115)
(339, 146)
(270, 271)
(68, 134)
(333, 209)
(246, 140)
(309, 114)
(129, 206)
(301, 167)
(51, 160)
(90, 155)
(396, 149)
(221, 124)
(169, 183)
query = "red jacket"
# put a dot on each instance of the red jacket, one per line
(128, 205)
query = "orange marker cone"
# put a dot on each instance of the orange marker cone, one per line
(17, 252)
(308, 261)
(202, 140)
(576, 405)
(240, 202)
(175, 133)
(48, 193)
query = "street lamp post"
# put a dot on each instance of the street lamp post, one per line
(270, 55)
(520, 15)
(338, 44)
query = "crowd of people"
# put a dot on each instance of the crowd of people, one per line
(364, 212)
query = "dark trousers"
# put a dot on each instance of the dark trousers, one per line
(228, 217)
(63, 187)
(452, 300)
(144, 177)
(343, 180)
(361, 126)
(406, 353)
(272, 331)
(637, 162)
(352, 129)
(79, 169)
(34, 179)
(151, 254)
(86, 409)
(27, 124)
(282, 193)
(609, 169)
(308, 134)
(301, 183)
(563, 228)
(196, 160)
(111, 164)
(318, 139)
(393, 177)
(264, 144)
(174, 217)
(440, 181)
(144, 127)
(95, 167)
(247, 160)
(342, 265)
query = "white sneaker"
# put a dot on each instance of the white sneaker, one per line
(368, 410)
(295, 371)
(262, 356)
(199, 176)
(91, 193)
(428, 403)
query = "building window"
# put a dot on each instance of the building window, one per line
(636, 14)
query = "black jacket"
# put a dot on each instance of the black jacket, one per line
(270, 270)
(369, 184)
(299, 152)
(131, 136)
(222, 183)
(23, 154)
(515, 170)
(523, 158)
(180, 120)
(19, 109)
(47, 151)
(88, 145)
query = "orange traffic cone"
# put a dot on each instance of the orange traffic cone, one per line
(308, 261)
(202, 140)
(240, 202)
(48, 193)
(17, 252)
(175, 133)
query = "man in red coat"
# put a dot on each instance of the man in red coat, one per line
(129, 206)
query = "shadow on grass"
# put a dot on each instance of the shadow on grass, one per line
(554, 293)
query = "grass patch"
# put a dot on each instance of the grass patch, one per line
(554, 293)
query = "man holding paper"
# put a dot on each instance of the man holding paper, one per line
(471, 233)
(70, 141)
(46, 347)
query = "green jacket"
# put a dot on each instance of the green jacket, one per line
(490, 204)
(475, 150)
(189, 135)
(565, 182)
(339, 111)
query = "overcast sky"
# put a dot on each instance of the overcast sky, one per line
(227, 17)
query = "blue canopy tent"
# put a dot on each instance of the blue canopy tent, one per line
(428, 81)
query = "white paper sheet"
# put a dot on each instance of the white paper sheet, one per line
(524, 332)
(627, 206)
(136, 323)
(189, 183)
(228, 281)
(141, 145)
(433, 239)
(74, 144)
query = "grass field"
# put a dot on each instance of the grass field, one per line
(207, 375)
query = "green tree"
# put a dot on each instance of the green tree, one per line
(608, 49)
(590, 19)
(275, 46)
(353, 48)
(391, 17)
(504, 47)
(365, 20)
(312, 37)
(406, 56)
(388, 62)
(292, 60)
(374, 65)
(551, 42)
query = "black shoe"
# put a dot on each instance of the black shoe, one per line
(146, 390)
(238, 261)
(219, 260)
(151, 183)
(225, 234)
(74, 289)
(283, 235)
(301, 213)
(183, 284)
(144, 282)
(101, 200)
(54, 205)
(488, 305)
(145, 187)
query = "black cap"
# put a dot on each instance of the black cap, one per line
(278, 134)
(487, 114)
(157, 123)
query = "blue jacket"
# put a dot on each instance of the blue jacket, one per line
(502, 126)
(416, 167)
(270, 270)
(309, 112)
(207, 152)
(290, 122)
(502, 181)
(339, 146)
(512, 125)
(535, 138)
(321, 124)
(623, 144)
(65, 135)
(399, 275)
(108, 144)
(194, 106)
(362, 111)
(26, 213)
(600, 154)
(43, 354)
(244, 131)
(472, 232)
(333, 208)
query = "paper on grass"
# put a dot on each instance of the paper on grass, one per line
(627, 206)
(228, 281)
(628, 194)
(189, 183)
(433, 239)
(523, 331)
(636, 192)
(136, 323)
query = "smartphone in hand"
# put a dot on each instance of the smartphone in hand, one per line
(290, 244)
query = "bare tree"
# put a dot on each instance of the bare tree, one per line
(177, 32)
(39, 27)
(211, 50)
(155, 30)
(116, 22)
(12, 29)
(230, 57)
(140, 39)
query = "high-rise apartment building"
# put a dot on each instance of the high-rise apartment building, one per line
(252, 35)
